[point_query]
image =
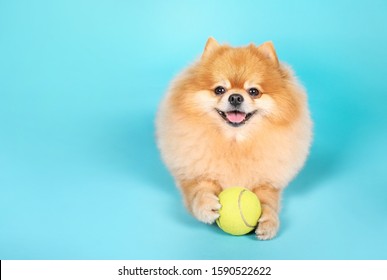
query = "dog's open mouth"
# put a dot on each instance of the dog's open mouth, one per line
(235, 117)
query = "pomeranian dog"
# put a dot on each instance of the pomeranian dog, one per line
(236, 117)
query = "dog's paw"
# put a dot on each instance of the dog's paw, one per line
(205, 207)
(268, 225)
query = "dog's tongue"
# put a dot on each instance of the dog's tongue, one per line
(235, 116)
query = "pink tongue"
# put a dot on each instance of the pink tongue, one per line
(235, 117)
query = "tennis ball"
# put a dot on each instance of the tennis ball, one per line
(240, 211)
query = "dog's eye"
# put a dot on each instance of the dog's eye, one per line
(254, 92)
(219, 90)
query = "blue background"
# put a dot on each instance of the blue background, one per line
(80, 82)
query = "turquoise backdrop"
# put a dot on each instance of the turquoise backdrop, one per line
(80, 82)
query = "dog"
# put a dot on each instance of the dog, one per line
(235, 117)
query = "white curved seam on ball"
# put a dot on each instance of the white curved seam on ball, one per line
(240, 210)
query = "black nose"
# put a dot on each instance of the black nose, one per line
(235, 99)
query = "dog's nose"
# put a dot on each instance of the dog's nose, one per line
(235, 99)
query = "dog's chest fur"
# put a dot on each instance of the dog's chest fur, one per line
(272, 157)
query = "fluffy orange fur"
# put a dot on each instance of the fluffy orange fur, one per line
(206, 154)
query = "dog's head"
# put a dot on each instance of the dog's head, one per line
(239, 87)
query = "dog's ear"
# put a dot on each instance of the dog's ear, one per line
(267, 49)
(210, 47)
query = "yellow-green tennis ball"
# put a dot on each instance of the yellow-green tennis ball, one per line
(240, 211)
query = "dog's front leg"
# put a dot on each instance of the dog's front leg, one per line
(201, 199)
(268, 223)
